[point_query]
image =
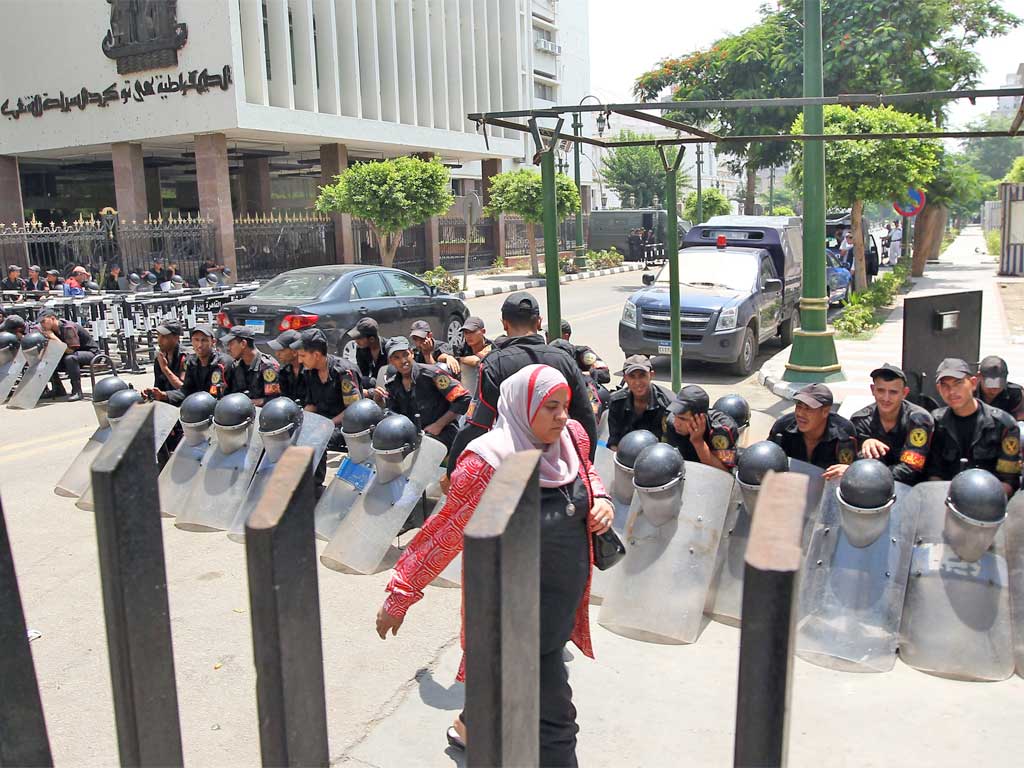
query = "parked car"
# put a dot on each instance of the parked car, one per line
(334, 298)
(740, 287)
(839, 278)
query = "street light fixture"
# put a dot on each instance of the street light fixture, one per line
(577, 131)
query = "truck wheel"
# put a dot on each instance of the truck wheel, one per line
(744, 364)
(786, 331)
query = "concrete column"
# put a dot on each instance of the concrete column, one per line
(489, 169)
(256, 185)
(129, 181)
(334, 160)
(154, 199)
(12, 210)
(214, 184)
(432, 230)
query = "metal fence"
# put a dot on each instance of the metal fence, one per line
(517, 242)
(482, 250)
(265, 246)
(412, 254)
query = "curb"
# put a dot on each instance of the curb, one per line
(511, 287)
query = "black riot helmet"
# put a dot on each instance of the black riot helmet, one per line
(33, 340)
(360, 416)
(106, 387)
(279, 415)
(197, 408)
(234, 410)
(632, 445)
(867, 484)
(657, 466)
(120, 402)
(759, 459)
(8, 346)
(735, 407)
(977, 495)
(395, 433)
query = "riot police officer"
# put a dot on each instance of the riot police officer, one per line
(429, 350)
(699, 432)
(814, 434)
(641, 404)
(13, 281)
(523, 345)
(36, 282)
(970, 433)
(475, 345)
(206, 369)
(431, 398)
(292, 385)
(995, 388)
(894, 430)
(14, 324)
(81, 350)
(170, 360)
(329, 383)
(254, 373)
(370, 357)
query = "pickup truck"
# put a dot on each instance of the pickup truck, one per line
(741, 280)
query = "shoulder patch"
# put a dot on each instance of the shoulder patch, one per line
(1011, 445)
(269, 375)
(216, 377)
(589, 358)
(720, 442)
(918, 437)
(442, 382)
(347, 386)
(845, 456)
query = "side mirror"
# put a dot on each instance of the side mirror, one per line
(434, 290)
(773, 285)
(648, 278)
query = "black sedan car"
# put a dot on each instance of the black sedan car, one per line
(335, 297)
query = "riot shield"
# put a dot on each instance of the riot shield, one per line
(657, 593)
(315, 432)
(956, 615)
(1014, 526)
(851, 597)
(41, 363)
(758, 428)
(351, 480)
(75, 480)
(183, 466)
(364, 535)
(9, 373)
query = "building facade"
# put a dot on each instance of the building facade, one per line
(226, 108)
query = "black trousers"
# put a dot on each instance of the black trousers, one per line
(71, 364)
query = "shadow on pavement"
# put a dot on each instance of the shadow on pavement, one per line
(435, 695)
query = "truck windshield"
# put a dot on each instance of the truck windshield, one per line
(706, 269)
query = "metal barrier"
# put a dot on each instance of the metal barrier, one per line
(266, 246)
(482, 251)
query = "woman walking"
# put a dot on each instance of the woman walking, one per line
(533, 412)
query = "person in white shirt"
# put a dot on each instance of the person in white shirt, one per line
(895, 243)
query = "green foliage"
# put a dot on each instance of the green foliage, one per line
(780, 210)
(714, 204)
(637, 171)
(994, 242)
(992, 156)
(442, 279)
(1016, 173)
(864, 312)
(957, 185)
(522, 193)
(604, 259)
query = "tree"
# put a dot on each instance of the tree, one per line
(1016, 173)
(522, 193)
(714, 204)
(956, 189)
(391, 196)
(781, 210)
(636, 171)
(994, 155)
(869, 170)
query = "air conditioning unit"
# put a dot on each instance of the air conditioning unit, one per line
(547, 46)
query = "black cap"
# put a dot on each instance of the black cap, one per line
(636, 363)
(814, 396)
(169, 327)
(953, 367)
(473, 323)
(34, 268)
(691, 399)
(54, 272)
(520, 306)
(284, 341)
(312, 339)
(365, 328)
(420, 328)
(887, 371)
(204, 328)
(13, 268)
(239, 332)
(396, 344)
(566, 328)
(45, 313)
(13, 323)
(994, 373)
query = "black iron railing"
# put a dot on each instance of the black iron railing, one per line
(482, 251)
(265, 246)
(412, 254)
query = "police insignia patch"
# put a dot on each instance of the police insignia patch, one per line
(215, 377)
(442, 382)
(720, 442)
(269, 375)
(846, 456)
(347, 387)
(913, 460)
(1008, 467)
(918, 437)
(1011, 445)
(589, 358)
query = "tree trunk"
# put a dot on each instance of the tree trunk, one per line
(531, 235)
(748, 201)
(929, 229)
(386, 244)
(860, 268)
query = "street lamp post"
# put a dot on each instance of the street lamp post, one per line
(577, 131)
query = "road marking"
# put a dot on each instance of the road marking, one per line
(48, 440)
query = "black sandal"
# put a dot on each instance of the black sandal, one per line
(454, 740)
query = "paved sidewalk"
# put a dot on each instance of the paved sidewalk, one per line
(483, 284)
(964, 266)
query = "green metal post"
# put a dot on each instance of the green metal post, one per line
(551, 275)
(771, 193)
(700, 195)
(581, 251)
(813, 355)
(672, 237)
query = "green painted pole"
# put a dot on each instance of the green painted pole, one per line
(813, 355)
(672, 238)
(551, 275)
(581, 251)
(700, 195)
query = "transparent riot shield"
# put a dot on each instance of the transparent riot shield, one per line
(315, 433)
(351, 480)
(851, 597)
(165, 416)
(1014, 527)
(182, 468)
(756, 431)
(9, 373)
(657, 593)
(956, 615)
(75, 480)
(40, 365)
(364, 535)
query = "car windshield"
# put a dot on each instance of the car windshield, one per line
(704, 269)
(295, 286)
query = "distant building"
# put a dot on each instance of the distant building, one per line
(1008, 105)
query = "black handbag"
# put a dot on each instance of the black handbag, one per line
(608, 549)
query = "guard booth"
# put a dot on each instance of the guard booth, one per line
(1011, 260)
(935, 327)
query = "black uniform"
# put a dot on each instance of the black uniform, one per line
(909, 441)
(331, 397)
(509, 356)
(37, 285)
(212, 377)
(720, 433)
(462, 349)
(622, 418)
(110, 283)
(838, 445)
(260, 381)
(434, 392)
(988, 439)
(370, 365)
(292, 384)
(17, 284)
(1010, 399)
(176, 363)
(440, 348)
(81, 350)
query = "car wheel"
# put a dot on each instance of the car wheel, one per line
(453, 331)
(786, 330)
(744, 364)
(348, 349)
